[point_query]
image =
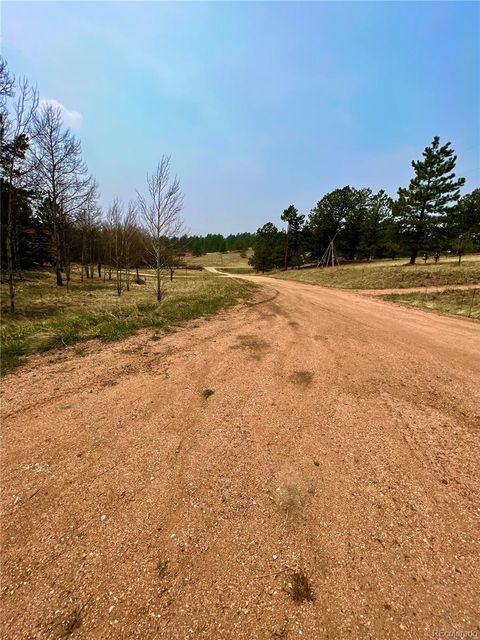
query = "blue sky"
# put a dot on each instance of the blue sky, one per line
(260, 104)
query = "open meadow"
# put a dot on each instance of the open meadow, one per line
(390, 274)
(230, 261)
(48, 316)
(459, 302)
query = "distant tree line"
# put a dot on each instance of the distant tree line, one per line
(50, 212)
(427, 218)
(215, 242)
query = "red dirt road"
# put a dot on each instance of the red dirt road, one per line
(341, 441)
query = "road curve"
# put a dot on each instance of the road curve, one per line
(340, 443)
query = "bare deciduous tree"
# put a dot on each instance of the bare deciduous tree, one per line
(160, 210)
(7, 81)
(63, 177)
(129, 231)
(115, 234)
(88, 223)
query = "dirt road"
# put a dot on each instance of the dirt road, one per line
(337, 460)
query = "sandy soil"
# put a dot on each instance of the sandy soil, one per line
(339, 448)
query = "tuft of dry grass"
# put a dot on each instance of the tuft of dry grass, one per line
(71, 623)
(299, 587)
(302, 378)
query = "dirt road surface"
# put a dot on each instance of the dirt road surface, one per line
(328, 488)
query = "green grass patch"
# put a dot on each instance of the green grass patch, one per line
(389, 274)
(459, 302)
(50, 317)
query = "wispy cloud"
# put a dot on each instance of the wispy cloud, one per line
(70, 117)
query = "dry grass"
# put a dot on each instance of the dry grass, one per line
(231, 260)
(390, 274)
(49, 316)
(459, 302)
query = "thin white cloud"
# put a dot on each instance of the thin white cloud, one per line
(70, 117)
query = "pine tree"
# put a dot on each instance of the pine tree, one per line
(294, 221)
(374, 230)
(336, 212)
(422, 208)
(464, 224)
(268, 248)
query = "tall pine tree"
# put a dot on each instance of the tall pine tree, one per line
(294, 221)
(422, 208)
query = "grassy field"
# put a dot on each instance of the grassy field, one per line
(230, 260)
(49, 317)
(390, 274)
(458, 302)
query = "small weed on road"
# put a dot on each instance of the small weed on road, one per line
(299, 587)
(162, 567)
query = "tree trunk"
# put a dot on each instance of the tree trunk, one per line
(68, 270)
(419, 233)
(99, 266)
(159, 282)
(119, 281)
(68, 275)
(58, 262)
(286, 248)
(82, 259)
(58, 265)
(10, 263)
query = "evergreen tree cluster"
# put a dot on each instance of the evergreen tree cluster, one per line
(429, 217)
(215, 242)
